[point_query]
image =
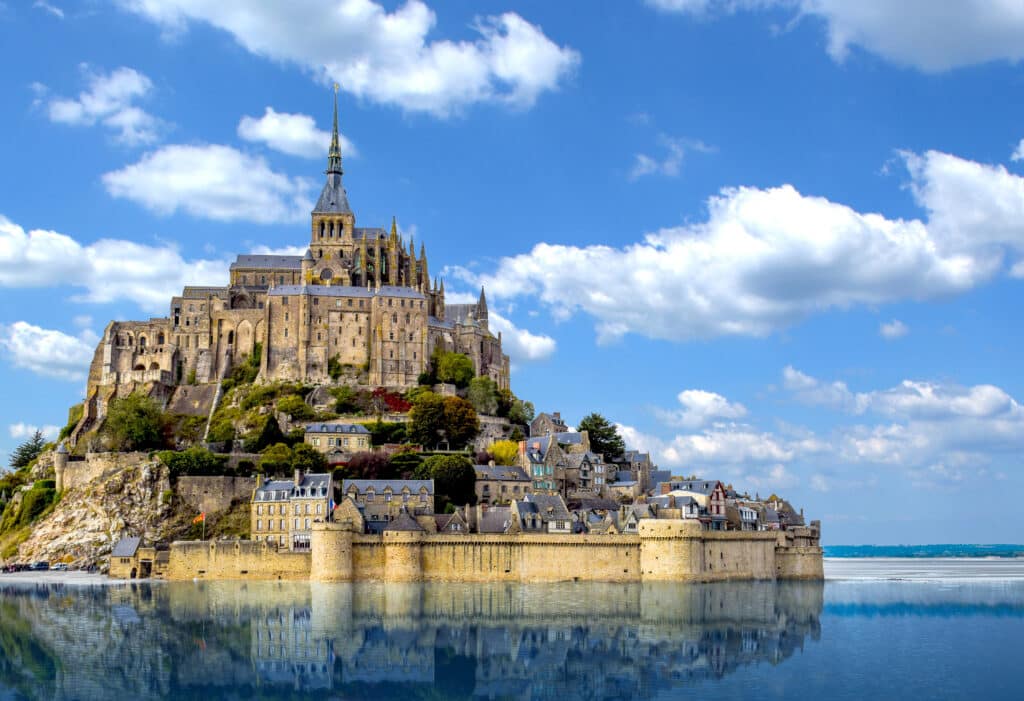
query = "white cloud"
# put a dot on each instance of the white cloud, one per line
(819, 483)
(82, 321)
(672, 160)
(212, 182)
(521, 345)
(262, 250)
(386, 57)
(766, 258)
(48, 352)
(107, 270)
(48, 8)
(893, 330)
(699, 408)
(1018, 153)
(23, 430)
(924, 34)
(109, 101)
(294, 134)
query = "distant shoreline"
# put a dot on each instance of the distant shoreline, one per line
(968, 551)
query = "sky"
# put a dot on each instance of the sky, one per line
(780, 243)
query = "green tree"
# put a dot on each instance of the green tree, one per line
(604, 437)
(521, 412)
(269, 435)
(27, 451)
(308, 459)
(505, 452)
(193, 461)
(382, 432)
(454, 478)
(454, 368)
(461, 424)
(347, 400)
(134, 423)
(426, 419)
(276, 460)
(334, 367)
(483, 395)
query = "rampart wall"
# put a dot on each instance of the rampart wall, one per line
(213, 494)
(79, 473)
(663, 550)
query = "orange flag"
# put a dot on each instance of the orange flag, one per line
(200, 518)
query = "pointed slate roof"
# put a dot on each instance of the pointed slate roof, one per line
(404, 522)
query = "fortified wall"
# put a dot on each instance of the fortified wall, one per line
(663, 550)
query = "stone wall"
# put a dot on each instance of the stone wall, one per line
(214, 494)
(99, 465)
(664, 550)
(238, 559)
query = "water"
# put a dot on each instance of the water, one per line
(842, 639)
(925, 551)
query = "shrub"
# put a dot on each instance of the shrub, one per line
(45, 484)
(334, 367)
(505, 452)
(134, 423)
(295, 407)
(270, 434)
(382, 432)
(483, 395)
(277, 459)
(194, 461)
(454, 478)
(404, 464)
(308, 459)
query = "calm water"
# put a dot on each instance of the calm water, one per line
(844, 639)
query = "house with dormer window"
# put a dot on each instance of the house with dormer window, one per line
(381, 501)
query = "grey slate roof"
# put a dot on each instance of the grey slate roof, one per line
(254, 261)
(437, 323)
(312, 485)
(658, 476)
(345, 291)
(548, 507)
(460, 313)
(404, 522)
(696, 486)
(623, 476)
(380, 486)
(369, 233)
(333, 198)
(495, 520)
(337, 428)
(126, 547)
(501, 472)
(569, 437)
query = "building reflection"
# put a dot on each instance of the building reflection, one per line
(190, 640)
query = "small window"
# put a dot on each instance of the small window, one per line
(284, 301)
(316, 301)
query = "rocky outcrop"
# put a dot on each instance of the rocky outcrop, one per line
(91, 518)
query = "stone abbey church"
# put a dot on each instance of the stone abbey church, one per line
(360, 296)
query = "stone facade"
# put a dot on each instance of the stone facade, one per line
(282, 512)
(360, 302)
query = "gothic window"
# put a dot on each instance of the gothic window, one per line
(326, 274)
(320, 253)
(142, 341)
(321, 229)
(394, 318)
(160, 339)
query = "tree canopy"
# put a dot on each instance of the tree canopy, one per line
(454, 479)
(453, 368)
(27, 451)
(604, 437)
(483, 395)
(434, 419)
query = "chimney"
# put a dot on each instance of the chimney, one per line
(298, 477)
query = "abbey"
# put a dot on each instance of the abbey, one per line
(360, 299)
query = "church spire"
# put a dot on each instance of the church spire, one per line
(334, 153)
(333, 198)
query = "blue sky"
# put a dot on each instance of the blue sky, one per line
(779, 242)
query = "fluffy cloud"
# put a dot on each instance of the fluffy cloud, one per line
(522, 346)
(212, 182)
(924, 34)
(699, 408)
(933, 430)
(48, 352)
(893, 330)
(766, 258)
(23, 430)
(294, 134)
(109, 101)
(386, 56)
(107, 270)
(48, 8)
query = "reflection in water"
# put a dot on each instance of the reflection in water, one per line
(276, 640)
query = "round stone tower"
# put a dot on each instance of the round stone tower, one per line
(60, 464)
(403, 556)
(330, 546)
(670, 549)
